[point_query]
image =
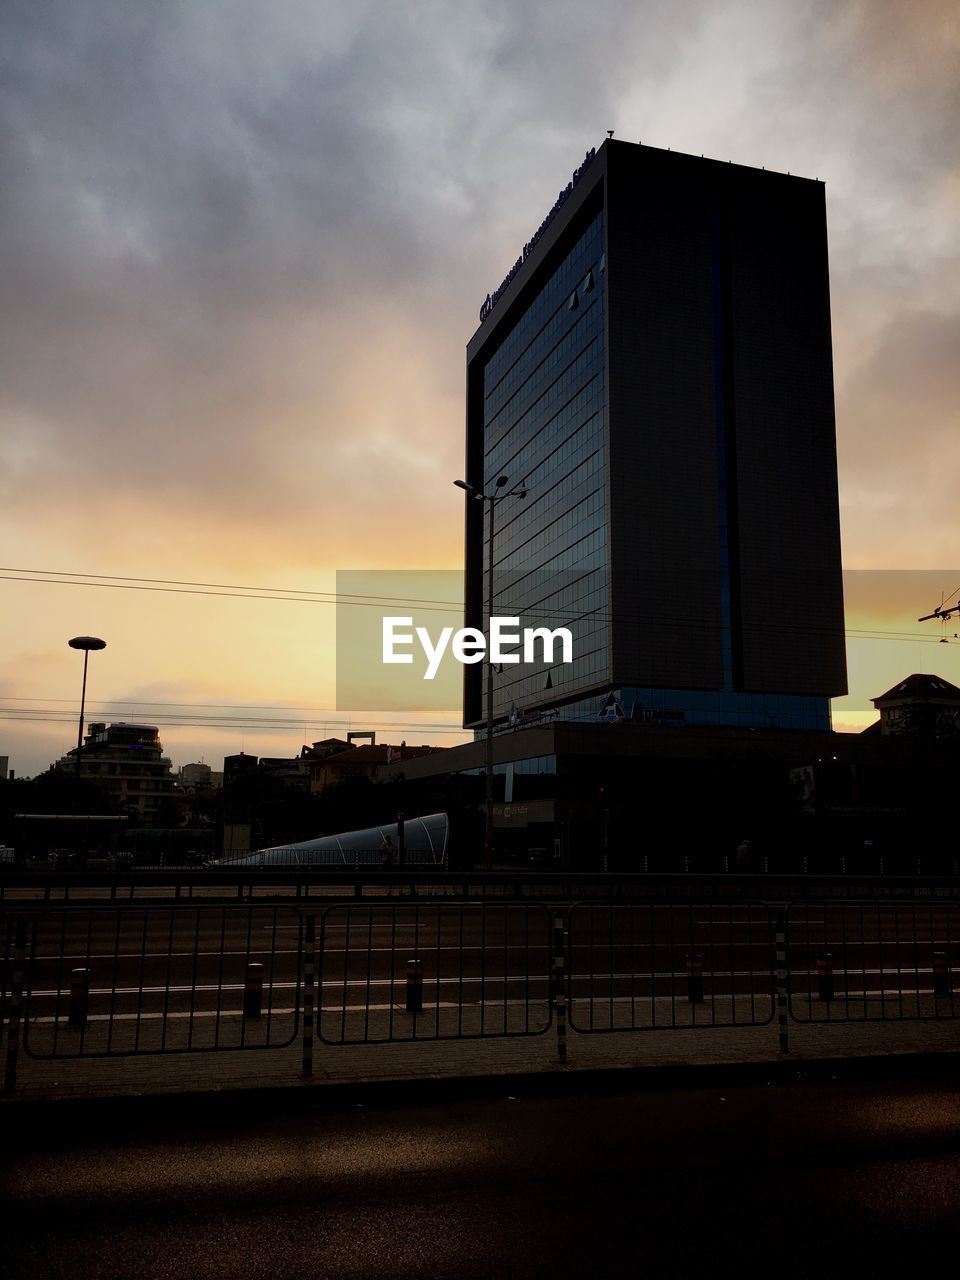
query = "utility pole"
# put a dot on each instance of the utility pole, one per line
(491, 499)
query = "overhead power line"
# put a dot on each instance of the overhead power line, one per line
(261, 726)
(298, 724)
(333, 596)
(221, 706)
(422, 604)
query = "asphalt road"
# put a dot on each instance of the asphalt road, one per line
(847, 1178)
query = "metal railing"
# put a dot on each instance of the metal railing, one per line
(857, 864)
(120, 979)
(297, 884)
(125, 980)
(872, 961)
(432, 971)
(659, 966)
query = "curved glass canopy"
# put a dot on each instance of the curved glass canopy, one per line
(424, 844)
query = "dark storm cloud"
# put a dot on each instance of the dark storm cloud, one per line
(872, 89)
(912, 380)
(170, 201)
(208, 205)
(243, 245)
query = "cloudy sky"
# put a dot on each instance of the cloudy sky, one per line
(243, 247)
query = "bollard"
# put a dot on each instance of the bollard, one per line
(694, 978)
(558, 985)
(253, 991)
(79, 997)
(942, 985)
(825, 976)
(414, 986)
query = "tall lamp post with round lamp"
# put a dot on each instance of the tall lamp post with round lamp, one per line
(500, 491)
(86, 643)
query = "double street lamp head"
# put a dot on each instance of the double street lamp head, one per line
(499, 483)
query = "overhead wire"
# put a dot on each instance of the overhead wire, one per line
(421, 604)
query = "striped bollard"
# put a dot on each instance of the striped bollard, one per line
(558, 986)
(414, 986)
(253, 991)
(79, 997)
(694, 977)
(942, 985)
(825, 976)
(309, 994)
(779, 922)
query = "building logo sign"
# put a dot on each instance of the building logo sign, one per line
(492, 299)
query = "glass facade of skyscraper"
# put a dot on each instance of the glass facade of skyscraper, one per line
(544, 429)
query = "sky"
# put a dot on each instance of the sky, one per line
(243, 247)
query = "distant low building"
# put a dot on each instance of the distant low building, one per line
(920, 706)
(292, 773)
(238, 767)
(326, 747)
(199, 777)
(288, 772)
(361, 762)
(127, 761)
(195, 775)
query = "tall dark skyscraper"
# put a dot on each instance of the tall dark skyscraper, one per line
(656, 370)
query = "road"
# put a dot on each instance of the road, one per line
(828, 1179)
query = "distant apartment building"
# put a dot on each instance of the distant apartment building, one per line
(4, 768)
(128, 763)
(194, 775)
(199, 777)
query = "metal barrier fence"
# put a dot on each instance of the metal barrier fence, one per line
(872, 962)
(861, 864)
(325, 886)
(125, 980)
(433, 971)
(654, 967)
(122, 979)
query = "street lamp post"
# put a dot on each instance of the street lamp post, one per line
(500, 491)
(86, 643)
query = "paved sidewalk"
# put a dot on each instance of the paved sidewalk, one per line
(424, 1060)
